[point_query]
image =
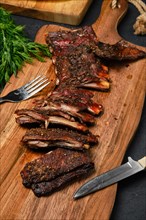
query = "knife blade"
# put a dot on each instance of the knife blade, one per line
(106, 179)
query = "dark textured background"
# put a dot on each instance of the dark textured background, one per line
(131, 195)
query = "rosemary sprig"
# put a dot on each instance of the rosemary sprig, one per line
(15, 48)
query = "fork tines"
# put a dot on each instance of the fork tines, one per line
(36, 85)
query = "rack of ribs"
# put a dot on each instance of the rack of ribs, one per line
(76, 64)
(63, 119)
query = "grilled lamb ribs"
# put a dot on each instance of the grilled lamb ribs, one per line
(73, 103)
(76, 67)
(48, 173)
(41, 138)
(82, 69)
(75, 63)
(26, 116)
(63, 42)
(78, 58)
(70, 107)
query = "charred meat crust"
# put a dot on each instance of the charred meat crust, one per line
(63, 41)
(46, 188)
(53, 165)
(75, 63)
(122, 50)
(81, 68)
(38, 138)
(72, 102)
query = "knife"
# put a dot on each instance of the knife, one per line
(106, 179)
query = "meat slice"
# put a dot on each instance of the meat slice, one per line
(27, 116)
(73, 102)
(53, 165)
(39, 138)
(122, 50)
(46, 188)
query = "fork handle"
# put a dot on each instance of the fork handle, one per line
(3, 99)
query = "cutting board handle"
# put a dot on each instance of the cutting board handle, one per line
(106, 25)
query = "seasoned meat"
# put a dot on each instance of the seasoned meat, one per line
(25, 114)
(81, 68)
(46, 188)
(71, 101)
(77, 67)
(53, 165)
(75, 63)
(122, 50)
(57, 137)
(77, 57)
(63, 42)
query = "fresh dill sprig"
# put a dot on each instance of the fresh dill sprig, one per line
(15, 48)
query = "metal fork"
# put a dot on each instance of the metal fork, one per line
(26, 91)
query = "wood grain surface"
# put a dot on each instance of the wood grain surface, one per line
(115, 128)
(62, 11)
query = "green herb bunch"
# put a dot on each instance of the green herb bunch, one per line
(15, 48)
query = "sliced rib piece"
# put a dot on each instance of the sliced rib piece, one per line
(25, 114)
(73, 102)
(122, 50)
(56, 164)
(69, 112)
(46, 188)
(44, 138)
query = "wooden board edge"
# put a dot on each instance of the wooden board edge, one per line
(65, 18)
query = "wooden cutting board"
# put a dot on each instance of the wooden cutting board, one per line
(62, 11)
(115, 128)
